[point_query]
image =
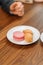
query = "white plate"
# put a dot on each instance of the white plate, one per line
(41, 37)
(36, 34)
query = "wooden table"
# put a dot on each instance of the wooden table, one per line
(11, 54)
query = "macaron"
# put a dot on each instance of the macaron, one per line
(28, 37)
(18, 36)
(28, 31)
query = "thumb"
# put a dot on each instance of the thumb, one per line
(12, 6)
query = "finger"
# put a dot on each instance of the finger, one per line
(21, 8)
(18, 6)
(14, 12)
(21, 13)
(13, 5)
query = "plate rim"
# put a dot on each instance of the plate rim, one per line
(25, 26)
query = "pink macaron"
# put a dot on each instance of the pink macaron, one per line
(18, 36)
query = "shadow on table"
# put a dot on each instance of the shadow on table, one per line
(41, 44)
(23, 46)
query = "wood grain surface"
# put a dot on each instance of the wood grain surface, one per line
(11, 54)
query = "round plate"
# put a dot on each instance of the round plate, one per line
(36, 34)
(41, 37)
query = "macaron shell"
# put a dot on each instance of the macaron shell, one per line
(28, 31)
(18, 35)
(28, 37)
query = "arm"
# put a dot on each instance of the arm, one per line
(0, 2)
(6, 4)
(13, 7)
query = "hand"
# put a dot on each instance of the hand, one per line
(17, 8)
